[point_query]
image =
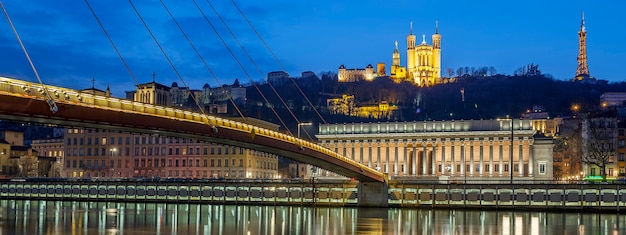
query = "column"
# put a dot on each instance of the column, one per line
(452, 158)
(424, 158)
(433, 158)
(400, 147)
(521, 157)
(500, 157)
(531, 160)
(414, 160)
(462, 162)
(396, 165)
(491, 158)
(471, 155)
(443, 158)
(482, 160)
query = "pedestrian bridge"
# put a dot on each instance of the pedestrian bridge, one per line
(32, 102)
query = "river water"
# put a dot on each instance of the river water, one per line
(71, 217)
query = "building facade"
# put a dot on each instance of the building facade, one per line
(53, 149)
(458, 150)
(423, 65)
(110, 154)
(599, 144)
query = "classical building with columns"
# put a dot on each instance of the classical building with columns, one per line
(455, 150)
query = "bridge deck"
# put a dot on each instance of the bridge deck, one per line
(25, 101)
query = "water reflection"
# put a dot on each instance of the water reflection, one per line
(56, 217)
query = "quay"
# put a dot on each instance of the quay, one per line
(407, 194)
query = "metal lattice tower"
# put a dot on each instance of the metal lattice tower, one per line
(582, 70)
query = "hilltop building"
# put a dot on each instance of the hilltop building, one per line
(423, 66)
(212, 99)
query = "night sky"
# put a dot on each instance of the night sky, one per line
(69, 48)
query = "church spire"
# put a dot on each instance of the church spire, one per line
(411, 28)
(436, 27)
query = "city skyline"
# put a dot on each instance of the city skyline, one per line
(69, 48)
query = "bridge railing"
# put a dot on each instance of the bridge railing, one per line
(65, 95)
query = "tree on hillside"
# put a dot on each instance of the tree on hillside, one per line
(450, 72)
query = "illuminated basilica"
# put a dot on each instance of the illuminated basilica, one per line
(423, 67)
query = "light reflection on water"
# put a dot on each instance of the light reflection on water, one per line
(56, 217)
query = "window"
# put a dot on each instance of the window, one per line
(542, 168)
(506, 167)
(621, 157)
(516, 167)
(611, 171)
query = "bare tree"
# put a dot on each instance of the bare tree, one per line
(28, 166)
(492, 71)
(450, 72)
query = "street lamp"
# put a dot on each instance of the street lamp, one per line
(464, 168)
(511, 152)
(297, 163)
(111, 169)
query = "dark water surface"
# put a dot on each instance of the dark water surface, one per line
(67, 217)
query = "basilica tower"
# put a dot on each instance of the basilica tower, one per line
(436, 53)
(410, 53)
(582, 71)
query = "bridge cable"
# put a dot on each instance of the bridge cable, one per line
(254, 63)
(283, 67)
(259, 70)
(206, 65)
(277, 60)
(49, 100)
(241, 65)
(112, 43)
(164, 53)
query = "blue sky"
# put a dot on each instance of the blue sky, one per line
(68, 47)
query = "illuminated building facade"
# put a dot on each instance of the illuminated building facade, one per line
(423, 60)
(344, 105)
(423, 67)
(353, 75)
(457, 150)
(111, 154)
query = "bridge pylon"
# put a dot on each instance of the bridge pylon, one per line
(373, 194)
